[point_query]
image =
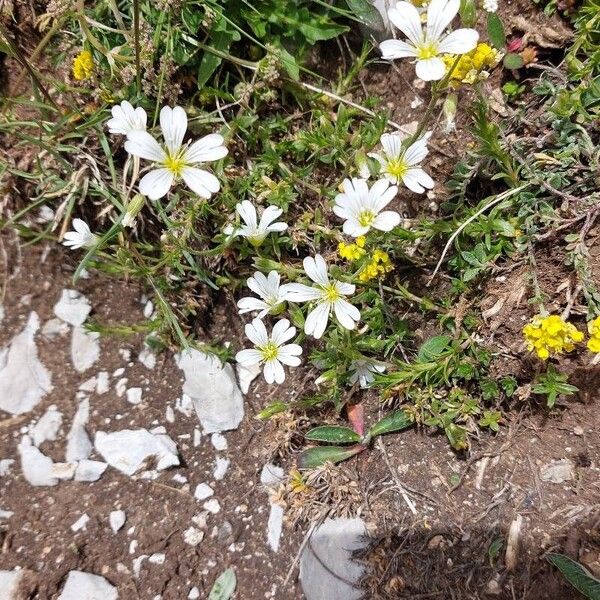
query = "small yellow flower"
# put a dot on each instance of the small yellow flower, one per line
(473, 66)
(550, 335)
(83, 65)
(594, 341)
(352, 251)
(378, 267)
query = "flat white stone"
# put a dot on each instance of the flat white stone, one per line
(157, 558)
(79, 446)
(121, 386)
(85, 348)
(271, 475)
(36, 467)
(212, 506)
(197, 437)
(117, 520)
(73, 308)
(147, 358)
(213, 389)
(102, 383)
(275, 526)
(5, 466)
(63, 470)
(134, 395)
(221, 466)
(9, 583)
(81, 523)
(86, 586)
(129, 450)
(194, 594)
(47, 427)
(193, 536)
(218, 441)
(203, 491)
(90, 470)
(89, 385)
(179, 478)
(136, 565)
(184, 405)
(6, 514)
(54, 327)
(326, 568)
(558, 471)
(169, 415)
(246, 375)
(24, 380)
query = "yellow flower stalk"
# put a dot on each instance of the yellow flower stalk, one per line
(550, 335)
(83, 65)
(594, 331)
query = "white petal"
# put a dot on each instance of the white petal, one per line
(282, 332)
(277, 227)
(460, 41)
(250, 304)
(248, 357)
(272, 282)
(439, 15)
(432, 69)
(353, 228)
(316, 269)
(346, 314)
(273, 372)
(387, 220)
(200, 181)
(156, 183)
(258, 284)
(316, 321)
(406, 18)
(416, 152)
(81, 226)
(346, 289)
(270, 214)
(289, 354)
(391, 144)
(339, 210)
(392, 49)
(206, 149)
(417, 180)
(298, 292)
(256, 332)
(173, 123)
(247, 212)
(142, 144)
(381, 194)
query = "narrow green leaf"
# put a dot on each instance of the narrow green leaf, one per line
(224, 586)
(433, 348)
(316, 457)
(397, 421)
(495, 30)
(366, 13)
(577, 575)
(513, 61)
(333, 435)
(273, 409)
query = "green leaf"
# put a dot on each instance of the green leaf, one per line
(513, 61)
(220, 40)
(433, 348)
(366, 13)
(273, 409)
(316, 457)
(224, 586)
(397, 421)
(333, 435)
(495, 30)
(577, 575)
(288, 62)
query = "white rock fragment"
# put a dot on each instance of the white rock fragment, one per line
(558, 471)
(47, 427)
(5, 466)
(102, 383)
(85, 348)
(194, 594)
(63, 470)
(246, 375)
(179, 478)
(5, 514)
(212, 506)
(137, 563)
(79, 445)
(203, 491)
(274, 526)
(214, 391)
(73, 307)
(121, 386)
(169, 415)
(193, 536)
(147, 358)
(134, 395)
(36, 467)
(117, 520)
(148, 309)
(118, 372)
(159, 429)
(221, 466)
(81, 523)
(218, 441)
(197, 437)
(53, 328)
(9, 584)
(86, 586)
(271, 475)
(129, 450)
(133, 544)
(24, 380)
(89, 385)
(157, 558)
(90, 470)
(184, 405)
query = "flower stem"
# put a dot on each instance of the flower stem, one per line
(136, 41)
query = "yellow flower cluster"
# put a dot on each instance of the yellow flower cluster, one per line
(550, 335)
(594, 341)
(378, 267)
(352, 251)
(83, 65)
(474, 65)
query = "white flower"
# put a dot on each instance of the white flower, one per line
(364, 371)
(327, 294)
(174, 159)
(270, 350)
(428, 43)
(82, 237)
(272, 294)
(401, 165)
(490, 6)
(126, 119)
(253, 230)
(361, 206)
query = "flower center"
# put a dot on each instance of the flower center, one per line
(175, 163)
(269, 351)
(397, 168)
(366, 218)
(330, 293)
(427, 50)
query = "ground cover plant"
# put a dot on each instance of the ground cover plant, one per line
(208, 152)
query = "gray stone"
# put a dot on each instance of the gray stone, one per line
(203, 491)
(90, 470)
(558, 471)
(86, 586)
(47, 427)
(275, 526)
(326, 569)
(221, 466)
(73, 307)
(79, 446)
(36, 467)
(214, 391)
(24, 380)
(246, 375)
(117, 520)
(85, 348)
(9, 584)
(271, 475)
(5, 466)
(130, 449)
(54, 327)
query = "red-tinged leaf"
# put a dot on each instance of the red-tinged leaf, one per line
(333, 434)
(356, 416)
(316, 457)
